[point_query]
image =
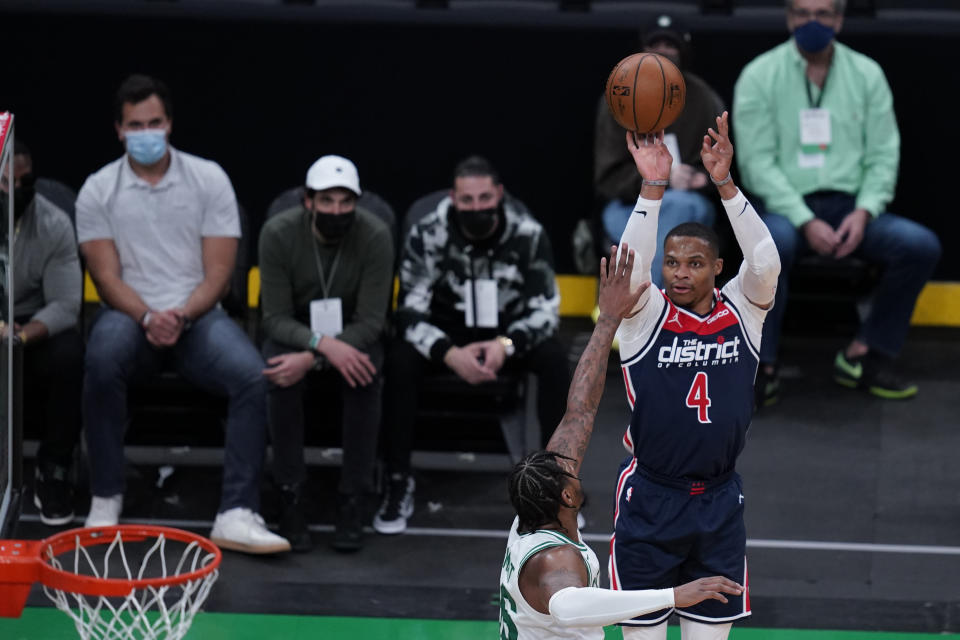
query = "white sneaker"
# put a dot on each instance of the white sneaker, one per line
(240, 529)
(104, 512)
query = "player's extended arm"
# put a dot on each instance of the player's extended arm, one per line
(653, 162)
(575, 606)
(641, 233)
(554, 581)
(617, 299)
(761, 261)
(595, 607)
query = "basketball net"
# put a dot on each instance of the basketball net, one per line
(164, 612)
(127, 582)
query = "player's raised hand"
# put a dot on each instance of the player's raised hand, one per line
(711, 588)
(717, 150)
(616, 300)
(651, 156)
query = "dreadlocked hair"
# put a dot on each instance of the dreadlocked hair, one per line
(535, 485)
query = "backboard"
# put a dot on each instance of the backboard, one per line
(10, 444)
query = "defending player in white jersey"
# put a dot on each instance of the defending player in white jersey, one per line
(549, 578)
(689, 355)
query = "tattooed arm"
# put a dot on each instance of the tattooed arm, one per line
(616, 300)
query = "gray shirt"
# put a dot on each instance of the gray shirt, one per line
(47, 281)
(158, 230)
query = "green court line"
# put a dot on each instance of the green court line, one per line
(41, 623)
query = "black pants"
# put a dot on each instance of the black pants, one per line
(405, 369)
(360, 423)
(52, 388)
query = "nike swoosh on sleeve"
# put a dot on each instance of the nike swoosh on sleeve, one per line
(742, 210)
(641, 212)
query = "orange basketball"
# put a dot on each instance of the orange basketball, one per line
(645, 92)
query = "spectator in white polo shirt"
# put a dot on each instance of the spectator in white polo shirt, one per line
(158, 228)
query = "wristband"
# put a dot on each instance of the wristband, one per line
(145, 318)
(657, 183)
(720, 183)
(315, 341)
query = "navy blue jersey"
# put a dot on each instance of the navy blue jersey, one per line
(689, 382)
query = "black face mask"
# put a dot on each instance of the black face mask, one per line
(478, 224)
(22, 197)
(333, 226)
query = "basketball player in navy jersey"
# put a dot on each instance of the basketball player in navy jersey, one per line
(689, 356)
(549, 580)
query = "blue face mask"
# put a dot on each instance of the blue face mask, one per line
(813, 37)
(146, 146)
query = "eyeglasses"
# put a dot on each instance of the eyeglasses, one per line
(820, 15)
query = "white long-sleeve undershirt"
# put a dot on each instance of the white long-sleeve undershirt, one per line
(641, 236)
(594, 607)
(761, 261)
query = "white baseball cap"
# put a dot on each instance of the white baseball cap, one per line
(333, 171)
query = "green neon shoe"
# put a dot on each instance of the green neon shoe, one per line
(872, 373)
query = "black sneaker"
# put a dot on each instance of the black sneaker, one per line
(397, 505)
(348, 530)
(293, 526)
(766, 388)
(53, 494)
(873, 373)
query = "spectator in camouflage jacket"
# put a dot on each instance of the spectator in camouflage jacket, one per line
(477, 250)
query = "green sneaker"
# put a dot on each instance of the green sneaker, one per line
(872, 373)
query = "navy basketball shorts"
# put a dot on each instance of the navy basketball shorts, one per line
(668, 533)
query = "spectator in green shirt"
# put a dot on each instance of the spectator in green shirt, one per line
(326, 269)
(819, 146)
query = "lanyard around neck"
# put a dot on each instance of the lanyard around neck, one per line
(324, 282)
(823, 89)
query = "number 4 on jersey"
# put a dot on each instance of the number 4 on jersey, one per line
(699, 398)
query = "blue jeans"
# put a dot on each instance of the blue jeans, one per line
(677, 207)
(908, 252)
(214, 354)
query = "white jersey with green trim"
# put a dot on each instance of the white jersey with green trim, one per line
(520, 621)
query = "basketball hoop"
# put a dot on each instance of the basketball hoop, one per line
(127, 582)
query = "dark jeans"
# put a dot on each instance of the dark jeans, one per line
(214, 354)
(52, 387)
(908, 252)
(360, 423)
(405, 369)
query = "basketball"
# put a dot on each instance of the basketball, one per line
(645, 92)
